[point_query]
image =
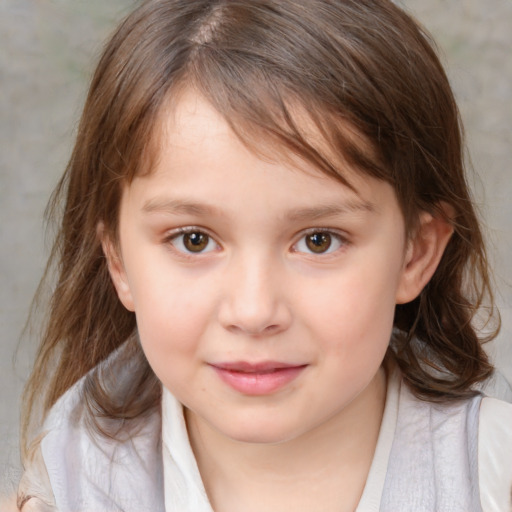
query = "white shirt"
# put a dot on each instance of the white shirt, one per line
(73, 470)
(184, 489)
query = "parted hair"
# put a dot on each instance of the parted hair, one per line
(262, 64)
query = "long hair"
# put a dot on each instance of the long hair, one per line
(362, 64)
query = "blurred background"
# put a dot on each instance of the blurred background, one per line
(48, 49)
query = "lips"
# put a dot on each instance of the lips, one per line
(256, 379)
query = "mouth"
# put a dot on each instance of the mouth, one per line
(256, 379)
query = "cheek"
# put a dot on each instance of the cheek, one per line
(172, 318)
(172, 310)
(171, 325)
(352, 327)
(354, 310)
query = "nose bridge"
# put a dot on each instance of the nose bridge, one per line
(254, 295)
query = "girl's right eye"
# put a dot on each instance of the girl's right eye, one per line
(193, 242)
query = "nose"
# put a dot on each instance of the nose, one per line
(254, 301)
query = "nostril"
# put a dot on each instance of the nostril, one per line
(253, 307)
(271, 329)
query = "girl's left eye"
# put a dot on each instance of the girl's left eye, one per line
(319, 242)
(193, 242)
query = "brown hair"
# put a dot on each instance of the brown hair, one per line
(363, 62)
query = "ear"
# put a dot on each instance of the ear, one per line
(116, 268)
(423, 253)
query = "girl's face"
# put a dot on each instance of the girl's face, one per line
(264, 294)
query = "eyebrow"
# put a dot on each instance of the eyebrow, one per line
(188, 207)
(330, 210)
(180, 206)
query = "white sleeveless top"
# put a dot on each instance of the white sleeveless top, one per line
(429, 458)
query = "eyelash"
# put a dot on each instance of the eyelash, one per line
(334, 235)
(340, 239)
(181, 232)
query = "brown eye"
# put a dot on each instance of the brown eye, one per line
(318, 242)
(195, 241)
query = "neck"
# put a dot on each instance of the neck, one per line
(323, 469)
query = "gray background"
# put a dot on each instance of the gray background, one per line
(47, 52)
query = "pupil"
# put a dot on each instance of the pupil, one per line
(318, 242)
(195, 242)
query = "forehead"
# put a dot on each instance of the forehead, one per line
(289, 135)
(200, 159)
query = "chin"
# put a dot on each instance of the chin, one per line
(263, 433)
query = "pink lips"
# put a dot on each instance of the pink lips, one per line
(257, 378)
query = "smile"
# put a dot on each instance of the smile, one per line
(257, 379)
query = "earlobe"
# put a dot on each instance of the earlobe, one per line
(423, 254)
(116, 269)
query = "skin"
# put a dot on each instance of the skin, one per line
(257, 292)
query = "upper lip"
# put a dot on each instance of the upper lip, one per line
(257, 367)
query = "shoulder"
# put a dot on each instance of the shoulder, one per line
(495, 454)
(35, 490)
(435, 444)
(75, 466)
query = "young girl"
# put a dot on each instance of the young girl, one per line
(268, 270)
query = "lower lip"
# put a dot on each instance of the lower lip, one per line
(259, 383)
